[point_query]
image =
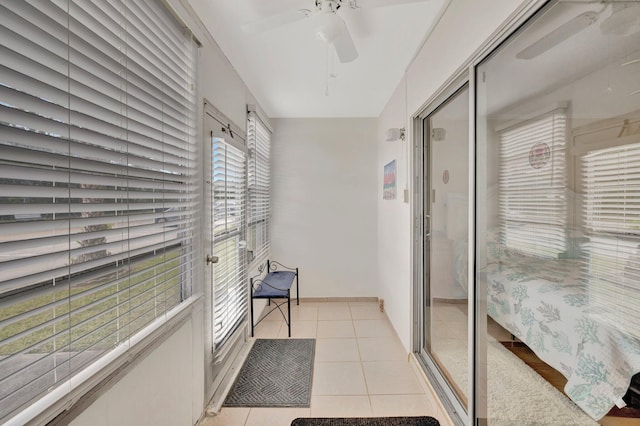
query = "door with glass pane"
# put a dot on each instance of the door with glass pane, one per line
(226, 254)
(445, 180)
(228, 227)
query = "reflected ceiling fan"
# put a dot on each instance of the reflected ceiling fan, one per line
(624, 20)
(329, 26)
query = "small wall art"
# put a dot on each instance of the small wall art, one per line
(389, 188)
(539, 155)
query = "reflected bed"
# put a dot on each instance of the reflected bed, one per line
(546, 305)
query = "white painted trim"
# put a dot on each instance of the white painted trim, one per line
(67, 394)
(222, 390)
(262, 116)
(215, 113)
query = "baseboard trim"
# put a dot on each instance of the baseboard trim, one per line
(339, 299)
(450, 301)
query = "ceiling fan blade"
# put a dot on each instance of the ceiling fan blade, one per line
(560, 34)
(345, 48)
(366, 4)
(266, 24)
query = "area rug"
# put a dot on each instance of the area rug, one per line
(366, 421)
(517, 395)
(276, 373)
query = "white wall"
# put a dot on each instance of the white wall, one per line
(324, 204)
(394, 220)
(463, 28)
(160, 390)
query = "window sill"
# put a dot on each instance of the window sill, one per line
(67, 400)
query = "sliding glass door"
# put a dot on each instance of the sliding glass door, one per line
(558, 214)
(444, 245)
(556, 241)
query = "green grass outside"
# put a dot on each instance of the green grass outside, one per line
(153, 283)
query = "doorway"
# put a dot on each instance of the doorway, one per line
(443, 246)
(225, 225)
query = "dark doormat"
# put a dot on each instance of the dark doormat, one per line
(366, 421)
(276, 373)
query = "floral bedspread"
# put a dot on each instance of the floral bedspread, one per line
(545, 305)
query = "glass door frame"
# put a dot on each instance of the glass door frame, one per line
(420, 131)
(476, 412)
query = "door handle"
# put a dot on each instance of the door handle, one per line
(212, 259)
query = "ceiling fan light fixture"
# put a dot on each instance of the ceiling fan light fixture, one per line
(329, 26)
(624, 19)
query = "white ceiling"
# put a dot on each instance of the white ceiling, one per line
(512, 80)
(286, 68)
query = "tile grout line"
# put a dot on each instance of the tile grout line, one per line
(364, 377)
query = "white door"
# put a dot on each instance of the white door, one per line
(225, 219)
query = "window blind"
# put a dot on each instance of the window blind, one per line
(229, 220)
(259, 143)
(532, 182)
(611, 215)
(97, 193)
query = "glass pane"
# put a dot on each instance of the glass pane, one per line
(446, 196)
(228, 206)
(558, 211)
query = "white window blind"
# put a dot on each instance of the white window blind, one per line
(97, 199)
(611, 215)
(229, 220)
(259, 142)
(532, 181)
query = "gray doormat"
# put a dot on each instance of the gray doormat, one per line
(366, 421)
(276, 373)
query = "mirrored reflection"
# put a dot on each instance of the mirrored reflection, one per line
(447, 199)
(559, 217)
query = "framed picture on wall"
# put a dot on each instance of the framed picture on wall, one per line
(389, 188)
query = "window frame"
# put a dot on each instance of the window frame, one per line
(258, 186)
(614, 272)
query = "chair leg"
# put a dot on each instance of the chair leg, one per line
(251, 307)
(297, 289)
(289, 310)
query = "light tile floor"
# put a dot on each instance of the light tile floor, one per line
(361, 368)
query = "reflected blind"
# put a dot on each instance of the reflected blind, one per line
(611, 214)
(229, 210)
(97, 199)
(259, 143)
(532, 181)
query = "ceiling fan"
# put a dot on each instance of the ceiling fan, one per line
(624, 20)
(329, 25)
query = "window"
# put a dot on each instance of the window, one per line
(259, 142)
(611, 216)
(97, 198)
(532, 185)
(229, 170)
